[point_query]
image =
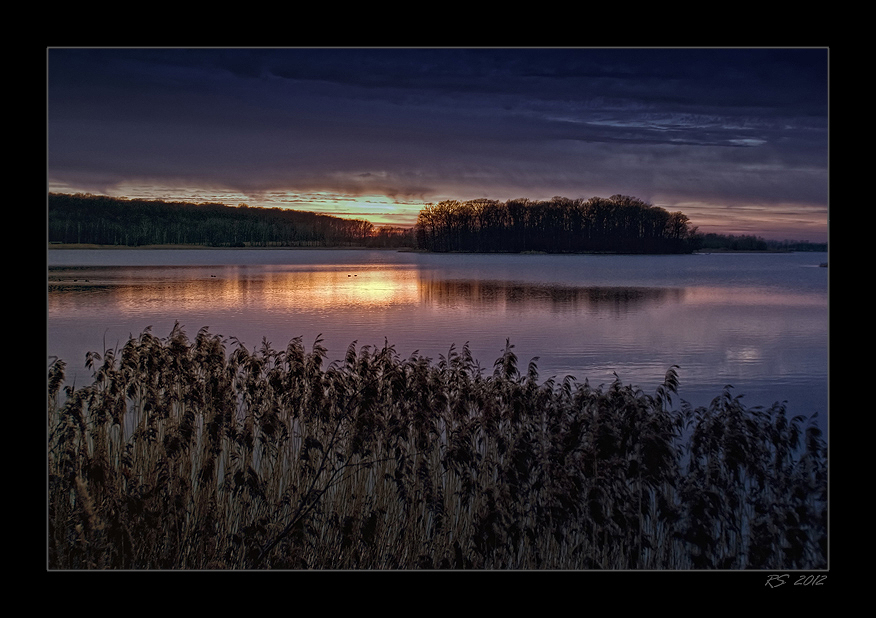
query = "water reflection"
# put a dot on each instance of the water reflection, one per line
(553, 298)
(757, 322)
(232, 287)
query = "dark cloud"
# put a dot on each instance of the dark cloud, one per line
(683, 125)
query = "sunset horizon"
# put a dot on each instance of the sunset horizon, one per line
(735, 138)
(382, 211)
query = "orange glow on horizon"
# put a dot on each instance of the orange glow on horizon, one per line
(379, 210)
(769, 221)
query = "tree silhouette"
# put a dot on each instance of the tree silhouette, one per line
(560, 225)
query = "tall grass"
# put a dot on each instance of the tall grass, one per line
(204, 454)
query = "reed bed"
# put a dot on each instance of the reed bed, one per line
(203, 454)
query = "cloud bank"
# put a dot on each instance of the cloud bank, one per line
(728, 132)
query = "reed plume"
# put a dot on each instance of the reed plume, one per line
(203, 454)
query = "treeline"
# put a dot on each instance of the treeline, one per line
(619, 224)
(92, 219)
(731, 242)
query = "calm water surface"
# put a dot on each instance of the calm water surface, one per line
(756, 321)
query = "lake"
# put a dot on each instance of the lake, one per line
(756, 321)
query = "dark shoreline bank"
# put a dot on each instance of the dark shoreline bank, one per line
(85, 246)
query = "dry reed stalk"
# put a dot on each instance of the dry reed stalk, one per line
(183, 454)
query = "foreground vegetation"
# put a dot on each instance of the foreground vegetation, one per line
(202, 454)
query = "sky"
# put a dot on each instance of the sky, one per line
(736, 138)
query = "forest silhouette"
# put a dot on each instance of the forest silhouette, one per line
(618, 224)
(101, 220)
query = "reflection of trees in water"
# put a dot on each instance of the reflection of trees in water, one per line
(555, 298)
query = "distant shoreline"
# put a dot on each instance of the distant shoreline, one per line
(81, 246)
(86, 246)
